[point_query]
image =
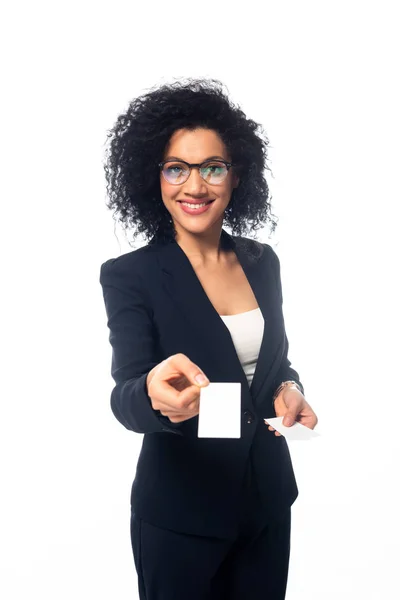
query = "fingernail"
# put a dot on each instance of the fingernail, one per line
(201, 378)
(288, 421)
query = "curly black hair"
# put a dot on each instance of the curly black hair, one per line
(140, 135)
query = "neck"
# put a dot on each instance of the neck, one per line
(204, 248)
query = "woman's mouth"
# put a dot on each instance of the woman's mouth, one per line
(195, 209)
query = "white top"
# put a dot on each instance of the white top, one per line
(246, 331)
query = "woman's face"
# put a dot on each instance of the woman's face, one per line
(196, 147)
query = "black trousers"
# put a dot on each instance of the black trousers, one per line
(178, 566)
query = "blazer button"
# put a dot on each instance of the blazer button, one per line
(249, 417)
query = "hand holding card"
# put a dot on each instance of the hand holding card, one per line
(297, 431)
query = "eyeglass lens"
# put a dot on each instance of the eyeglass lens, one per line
(213, 172)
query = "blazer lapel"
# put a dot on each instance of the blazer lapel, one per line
(198, 314)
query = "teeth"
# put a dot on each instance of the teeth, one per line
(194, 205)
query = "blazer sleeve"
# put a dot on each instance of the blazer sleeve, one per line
(286, 371)
(133, 339)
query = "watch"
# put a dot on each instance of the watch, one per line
(282, 386)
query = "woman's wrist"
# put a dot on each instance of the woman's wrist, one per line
(283, 385)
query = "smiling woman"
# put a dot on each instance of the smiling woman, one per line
(199, 302)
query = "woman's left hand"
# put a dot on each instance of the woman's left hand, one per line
(292, 406)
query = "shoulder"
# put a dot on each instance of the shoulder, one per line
(273, 259)
(131, 264)
(256, 250)
(270, 252)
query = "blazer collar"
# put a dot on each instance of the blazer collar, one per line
(197, 312)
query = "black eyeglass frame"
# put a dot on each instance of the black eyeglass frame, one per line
(197, 165)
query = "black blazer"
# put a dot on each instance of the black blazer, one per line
(156, 307)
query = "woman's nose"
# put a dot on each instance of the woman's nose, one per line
(195, 183)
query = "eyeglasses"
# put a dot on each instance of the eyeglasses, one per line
(177, 172)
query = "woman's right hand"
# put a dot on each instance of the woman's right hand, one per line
(173, 389)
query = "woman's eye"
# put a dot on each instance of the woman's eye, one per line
(214, 168)
(216, 165)
(175, 169)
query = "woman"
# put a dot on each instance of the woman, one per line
(210, 517)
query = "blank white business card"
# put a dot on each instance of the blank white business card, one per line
(220, 410)
(297, 431)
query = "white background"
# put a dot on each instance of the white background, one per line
(322, 78)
